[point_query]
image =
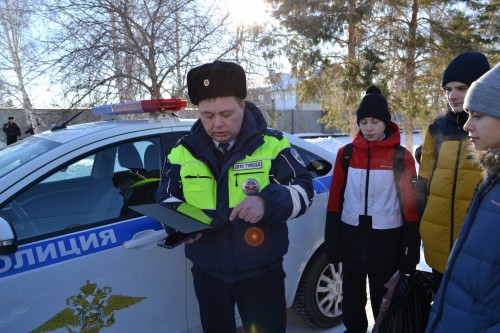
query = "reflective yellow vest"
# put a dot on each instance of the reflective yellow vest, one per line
(245, 176)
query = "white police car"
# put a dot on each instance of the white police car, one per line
(73, 260)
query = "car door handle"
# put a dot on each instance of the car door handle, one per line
(145, 237)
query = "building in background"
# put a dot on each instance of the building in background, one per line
(281, 106)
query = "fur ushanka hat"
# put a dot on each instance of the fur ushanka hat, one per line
(217, 79)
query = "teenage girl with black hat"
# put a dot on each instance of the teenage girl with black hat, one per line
(372, 221)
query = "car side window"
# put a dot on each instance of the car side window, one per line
(316, 165)
(81, 168)
(95, 189)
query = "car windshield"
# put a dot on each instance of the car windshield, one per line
(13, 156)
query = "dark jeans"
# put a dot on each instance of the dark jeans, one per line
(260, 300)
(354, 299)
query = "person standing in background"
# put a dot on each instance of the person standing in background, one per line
(447, 176)
(30, 131)
(12, 131)
(469, 297)
(372, 221)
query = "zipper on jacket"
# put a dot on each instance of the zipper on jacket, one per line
(244, 173)
(364, 229)
(367, 179)
(453, 192)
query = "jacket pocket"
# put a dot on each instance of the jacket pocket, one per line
(199, 186)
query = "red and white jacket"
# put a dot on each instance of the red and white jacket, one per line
(367, 222)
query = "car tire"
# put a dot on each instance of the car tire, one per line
(318, 300)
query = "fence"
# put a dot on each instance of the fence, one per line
(295, 121)
(292, 121)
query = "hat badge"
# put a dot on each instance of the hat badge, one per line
(206, 83)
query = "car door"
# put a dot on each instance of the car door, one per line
(86, 263)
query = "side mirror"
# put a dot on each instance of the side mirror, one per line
(8, 241)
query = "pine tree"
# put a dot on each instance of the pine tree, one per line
(338, 48)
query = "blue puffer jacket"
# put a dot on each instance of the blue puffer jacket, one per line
(469, 297)
(223, 252)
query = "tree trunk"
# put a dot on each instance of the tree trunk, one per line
(13, 32)
(410, 73)
(351, 54)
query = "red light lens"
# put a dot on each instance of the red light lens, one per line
(156, 105)
(161, 105)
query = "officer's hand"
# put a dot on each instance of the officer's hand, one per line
(250, 210)
(194, 239)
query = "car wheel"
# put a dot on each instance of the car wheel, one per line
(319, 296)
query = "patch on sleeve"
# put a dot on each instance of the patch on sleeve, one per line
(297, 157)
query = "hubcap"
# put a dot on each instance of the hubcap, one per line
(329, 291)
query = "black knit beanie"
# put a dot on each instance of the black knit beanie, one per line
(373, 105)
(466, 68)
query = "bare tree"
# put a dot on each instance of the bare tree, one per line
(15, 53)
(111, 50)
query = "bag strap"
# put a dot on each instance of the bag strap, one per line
(346, 157)
(399, 162)
(398, 167)
(399, 157)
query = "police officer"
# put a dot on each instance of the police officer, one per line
(12, 131)
(233, 166)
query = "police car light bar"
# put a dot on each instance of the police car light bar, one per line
(155, 105)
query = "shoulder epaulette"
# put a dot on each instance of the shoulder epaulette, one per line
(273, 132)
